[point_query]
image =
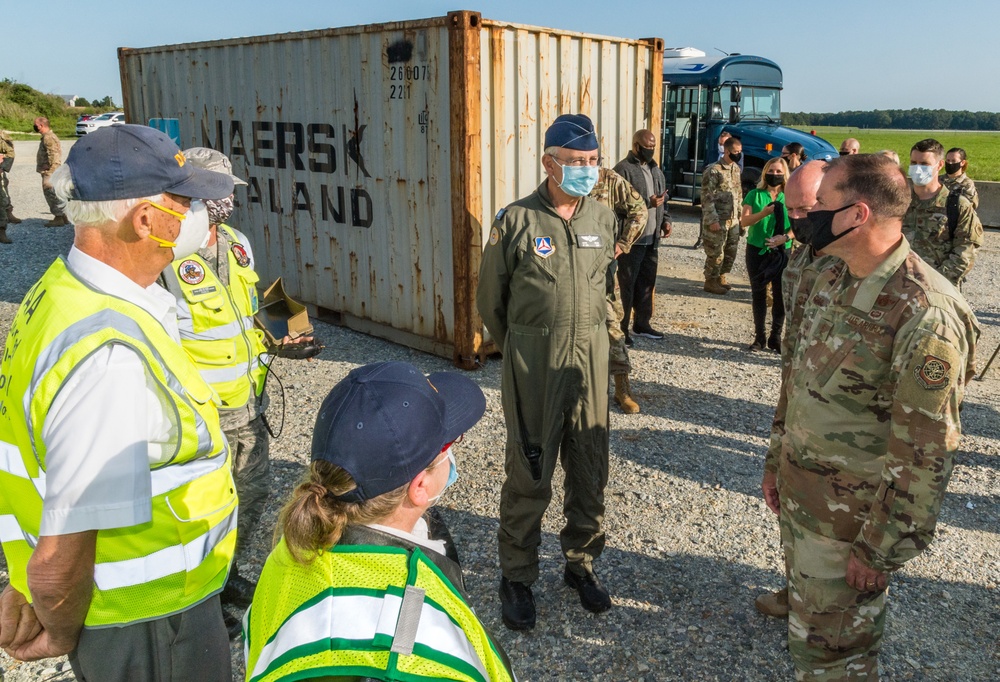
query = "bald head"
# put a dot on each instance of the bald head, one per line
(644, 138)
(849, 146)
(800, 192)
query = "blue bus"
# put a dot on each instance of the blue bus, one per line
(704, 96)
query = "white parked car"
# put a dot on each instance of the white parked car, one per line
(92, 124)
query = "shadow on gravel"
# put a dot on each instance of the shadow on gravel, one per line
(685, 617)
(705, 347)
(33, 250)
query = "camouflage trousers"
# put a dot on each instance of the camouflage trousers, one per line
(5, 204)
(618, 362)
(834, 631)
(55, 206)
(250, 445)
(720, 250)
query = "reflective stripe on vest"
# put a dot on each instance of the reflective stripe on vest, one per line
(89, 325)
(369, 611)
(359, 617)
(182, 555)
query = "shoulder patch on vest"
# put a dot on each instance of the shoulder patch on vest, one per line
(934, 373)
(494, 236)
(191, 272)
(241, 255)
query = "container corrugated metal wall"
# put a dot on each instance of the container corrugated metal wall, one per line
(371, 178)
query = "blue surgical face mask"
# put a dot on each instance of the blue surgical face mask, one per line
(452, 476)
(922, 175)
(578, 180)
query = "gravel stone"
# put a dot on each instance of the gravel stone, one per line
(690, 542)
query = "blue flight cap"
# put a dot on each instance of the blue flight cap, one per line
(572, 131)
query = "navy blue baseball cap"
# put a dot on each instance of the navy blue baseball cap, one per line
(132, 161)
(386, 422)
(572, 131)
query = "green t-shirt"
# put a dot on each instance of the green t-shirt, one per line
(757, 233)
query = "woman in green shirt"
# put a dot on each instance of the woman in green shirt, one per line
(768, 242)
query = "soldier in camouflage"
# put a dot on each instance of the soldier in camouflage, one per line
(950, 252)
(721, 197)
(878, 370)
(616, 193)
(956, 175)
(6, 209)
(49, 158)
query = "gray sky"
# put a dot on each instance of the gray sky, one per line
(850, 54)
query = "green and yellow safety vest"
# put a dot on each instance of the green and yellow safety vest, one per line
(146, 571)
(216, 322)
(367, 611)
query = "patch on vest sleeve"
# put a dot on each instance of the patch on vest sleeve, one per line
(933, 373)
(241, 255)
(191, 272)
(494, 236)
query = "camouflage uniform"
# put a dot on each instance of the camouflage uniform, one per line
(863, 445)
(616, 193)
(49, 158)
(965, 183)
(926, 227)
(721, 197)
(6, 151)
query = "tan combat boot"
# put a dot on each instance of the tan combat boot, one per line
(773, 604)
(4, 239)
(714, 286)
(12, 219)
(58, 221)
(623, 395)
(724, 284)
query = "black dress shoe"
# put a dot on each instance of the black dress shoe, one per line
(774, 343)
(628, 340)
(593, 595)
(238, 591)
(517, 605)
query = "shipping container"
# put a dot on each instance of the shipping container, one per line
(376, 156)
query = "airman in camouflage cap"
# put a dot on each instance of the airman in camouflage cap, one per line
(877, 373)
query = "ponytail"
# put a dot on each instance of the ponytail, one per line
(314, 519)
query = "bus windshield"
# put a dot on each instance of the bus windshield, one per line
(763, 104)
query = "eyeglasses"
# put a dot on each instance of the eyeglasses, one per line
(579, 162)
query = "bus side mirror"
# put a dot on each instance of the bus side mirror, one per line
(734, 114)
(735, 93)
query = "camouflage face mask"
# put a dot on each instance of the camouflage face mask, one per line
(219, 210)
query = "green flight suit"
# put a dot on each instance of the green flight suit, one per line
(542, 296)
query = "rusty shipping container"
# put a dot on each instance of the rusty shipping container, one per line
(377, 155)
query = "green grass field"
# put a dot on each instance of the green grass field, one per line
(983, 148)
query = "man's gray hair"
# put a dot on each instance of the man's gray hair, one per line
(91, 213)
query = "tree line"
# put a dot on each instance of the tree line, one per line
(912, 119)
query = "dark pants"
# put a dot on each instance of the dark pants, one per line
(637, 280)
(192, 645)
(763, 270)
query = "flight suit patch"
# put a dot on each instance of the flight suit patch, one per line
(191, 272)
(494, 235)
(933, 374)
(500, 213)
(241, 255)
(543, 246)
(589, 241)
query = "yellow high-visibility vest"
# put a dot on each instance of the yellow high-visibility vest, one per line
(182, 555)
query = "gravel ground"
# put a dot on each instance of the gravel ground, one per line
(690, 542)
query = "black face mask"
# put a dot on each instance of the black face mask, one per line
(952, 168)
(645, 154)
(773, 180)
(36, 129)
(736, 156)
(822, 228)
(803, 229)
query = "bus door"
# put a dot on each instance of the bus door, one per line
(684, 120)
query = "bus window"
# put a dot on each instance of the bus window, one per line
(757, 103)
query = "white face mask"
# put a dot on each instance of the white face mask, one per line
(193, 234)
(922, 175)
